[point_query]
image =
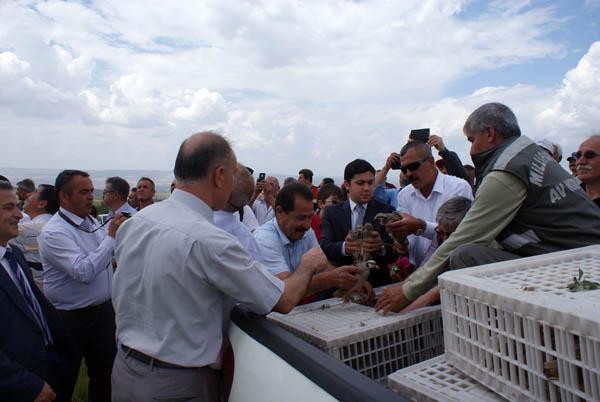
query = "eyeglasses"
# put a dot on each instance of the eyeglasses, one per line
(412, 166)
(585, 154)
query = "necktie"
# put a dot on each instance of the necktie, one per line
(28, 294)
(360, 215)
(86, 225)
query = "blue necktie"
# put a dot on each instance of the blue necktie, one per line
(28, 294)
(360, 215)
(86, 225)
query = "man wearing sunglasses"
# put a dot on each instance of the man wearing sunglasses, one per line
(524, 200)
(587, 162)
(420, 200)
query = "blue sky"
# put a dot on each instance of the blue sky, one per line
(293, 84)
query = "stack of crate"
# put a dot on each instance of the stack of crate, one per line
(372, 344)
(517, 328)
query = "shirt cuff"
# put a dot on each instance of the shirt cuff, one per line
(343, 249)
(429, 231)
(108, 242)
(407, 289)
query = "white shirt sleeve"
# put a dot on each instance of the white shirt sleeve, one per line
(61, 250)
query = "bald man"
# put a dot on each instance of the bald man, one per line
(170, 324)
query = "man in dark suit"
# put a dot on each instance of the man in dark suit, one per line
(360, 208)
(30, 332)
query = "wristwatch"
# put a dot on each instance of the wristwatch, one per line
(421, 229)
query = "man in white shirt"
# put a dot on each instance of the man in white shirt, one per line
(76, 255)
(421, 199)
(265, 194)
(228, 218)
(40, 206)
(115, 195)
(178, 272)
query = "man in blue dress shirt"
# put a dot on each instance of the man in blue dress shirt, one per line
(77, 260)
(286, 238)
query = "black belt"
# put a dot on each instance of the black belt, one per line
(151, 361)
(35, 265)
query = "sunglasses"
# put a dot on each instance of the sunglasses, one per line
(585, 154)
(412, 166)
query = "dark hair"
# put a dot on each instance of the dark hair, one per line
(27, 184)
(494, 115)
(4, 178)
(307, 173)
(328, 190)
(48, 194)
(468, 167)
(64, 178)
(328, 180)
(195, 164)
(286, 196)
(147, 179)
(5, 185)
(119, 185)
(357, 166)
(422, 149)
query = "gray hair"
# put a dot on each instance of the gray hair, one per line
(453, 211)
(423, 150)
(495, 115)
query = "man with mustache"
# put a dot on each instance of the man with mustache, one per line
(587, 163)
(420, 200)
(77, 260)
(286, 238)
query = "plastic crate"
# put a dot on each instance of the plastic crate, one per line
(435, 380)
(515, 327)
(372, 344)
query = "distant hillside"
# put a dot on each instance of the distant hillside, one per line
(162, 178)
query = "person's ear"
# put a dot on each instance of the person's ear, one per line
(347, 185)
(42, 204)
(219, 176)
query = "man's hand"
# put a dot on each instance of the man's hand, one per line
(407, 225)
(344, 277)
(437, 142)
(351, 245)
(400, 249)
(391, 160)
(260, 186)
(373, 244)
(315, 260)
(46, 395)
(114, 224)
(391, 299)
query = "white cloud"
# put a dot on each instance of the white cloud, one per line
(292, 84)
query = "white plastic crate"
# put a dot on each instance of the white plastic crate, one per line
(518, 329)
(372, 344)
(435, 380)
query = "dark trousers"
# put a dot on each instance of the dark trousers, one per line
(92, 337)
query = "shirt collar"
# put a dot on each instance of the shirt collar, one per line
(353, 205)
(2, 252)
(193, 202)
(284, 239)
(438, 187)
(226, 217)
(41, 218)
(76, 219)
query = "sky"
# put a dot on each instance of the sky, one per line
(292, 84)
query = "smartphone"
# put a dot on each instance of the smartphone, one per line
(396, 163)
(420, 135)
(261, 177)
(126, 214)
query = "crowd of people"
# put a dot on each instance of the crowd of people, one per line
(145, 296)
